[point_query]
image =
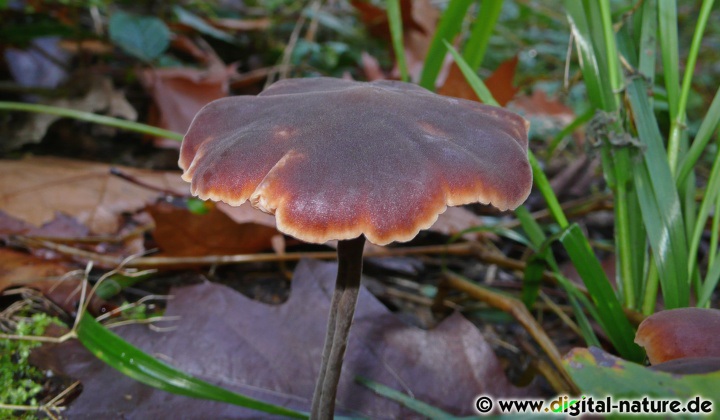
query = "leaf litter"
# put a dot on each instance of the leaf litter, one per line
(272, 352)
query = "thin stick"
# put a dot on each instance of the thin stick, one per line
(342, 311)
(152, 262)
(517, 309)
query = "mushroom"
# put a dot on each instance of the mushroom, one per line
(341, 160)
(679, 334)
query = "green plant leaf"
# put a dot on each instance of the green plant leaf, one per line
(142, 367)
(599, 374)
(196, 22)
(396, 33)
(482, 29)
(660, 203)
(449, 26)
(90, 117)
(610, 312)
(424, 409)
(144, 37)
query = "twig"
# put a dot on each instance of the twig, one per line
(139, 182)
(517, 309)
(158, 262)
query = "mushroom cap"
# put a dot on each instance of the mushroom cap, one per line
(334, 159)
(680, 333)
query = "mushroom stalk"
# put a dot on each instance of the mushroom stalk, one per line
(342, 310)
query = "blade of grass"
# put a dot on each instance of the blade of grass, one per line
(482, 29)
(424, 409)
(668, 37)
(144, 368)
(710, 283)
(90, 117)
(648, 41)
(704, 134)
(708, 202)
(471, 77)
(449, 26)
(612, 318)
(396, 33)
(576, 298)
(660, 205)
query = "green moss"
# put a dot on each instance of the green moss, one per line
(23, 381)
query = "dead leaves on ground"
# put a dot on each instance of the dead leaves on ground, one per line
(273, 352)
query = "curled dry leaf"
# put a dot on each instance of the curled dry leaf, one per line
(680, 333)
(272, 353)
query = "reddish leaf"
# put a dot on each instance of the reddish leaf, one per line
(539, 104)
(179, 93)
(500, 83)
(179, 232)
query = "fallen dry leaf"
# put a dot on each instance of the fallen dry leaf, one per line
(419, 18)
(20, 269)
(273, 353)
(180, 233)
(35, 188)
(499, 83)
(180, 92)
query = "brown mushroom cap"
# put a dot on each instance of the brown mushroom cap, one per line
(334, 159)
(680, 333)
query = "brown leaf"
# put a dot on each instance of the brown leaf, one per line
(179, 93)
(499, 83)
(178, 232)
(273, 353)
(259, 24)
(34, 189)
(539, 104)
(21, 269)
(419, 18)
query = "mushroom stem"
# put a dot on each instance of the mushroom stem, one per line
(342, 310)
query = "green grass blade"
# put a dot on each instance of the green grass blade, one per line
(482, 29)
(668, 37)
(612, 318)
(710, 283)
(396, 33)
(449, 26)
(691, 60)
(142, 367)
(648, 41)
(542, 183)
(660, 202)
(708, 202)
(472, 78)
(704, 134)
(90, 117)
(424, 409)
(576, 298)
